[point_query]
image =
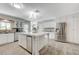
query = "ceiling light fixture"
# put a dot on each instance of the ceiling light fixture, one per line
(34, 14)
(5, 20)
(17, 5)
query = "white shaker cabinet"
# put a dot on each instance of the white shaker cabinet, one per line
(22, 41)
(3, 38)
(29, 42)
(6, 38)
(25, 42)
(10, 37)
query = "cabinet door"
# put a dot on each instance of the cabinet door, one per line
(6, 38)
(29, 44)
(16, 36)
(22, 41)
(3, 39)
(10, 37)
(42, 41)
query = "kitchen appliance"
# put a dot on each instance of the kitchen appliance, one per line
(61, 32)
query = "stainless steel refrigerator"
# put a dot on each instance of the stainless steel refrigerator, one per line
(61, 32)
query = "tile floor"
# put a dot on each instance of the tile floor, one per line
(12, 49)
(58, 48)
(54, 48)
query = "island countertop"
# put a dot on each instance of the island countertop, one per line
(34, 34)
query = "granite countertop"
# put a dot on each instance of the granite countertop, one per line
(6, 32)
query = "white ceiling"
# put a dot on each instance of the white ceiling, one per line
(47, 10)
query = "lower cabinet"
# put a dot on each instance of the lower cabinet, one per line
(6, 38)
(25, 42)
(29, 43)
(22, 41)
(10, 37)
(3, 38)
(42, 42)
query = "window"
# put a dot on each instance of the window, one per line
(25, 27)
(5, 25)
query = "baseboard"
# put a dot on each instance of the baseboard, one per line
(61, 41)
(68, 42)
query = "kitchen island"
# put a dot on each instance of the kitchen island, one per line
(33, 42)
